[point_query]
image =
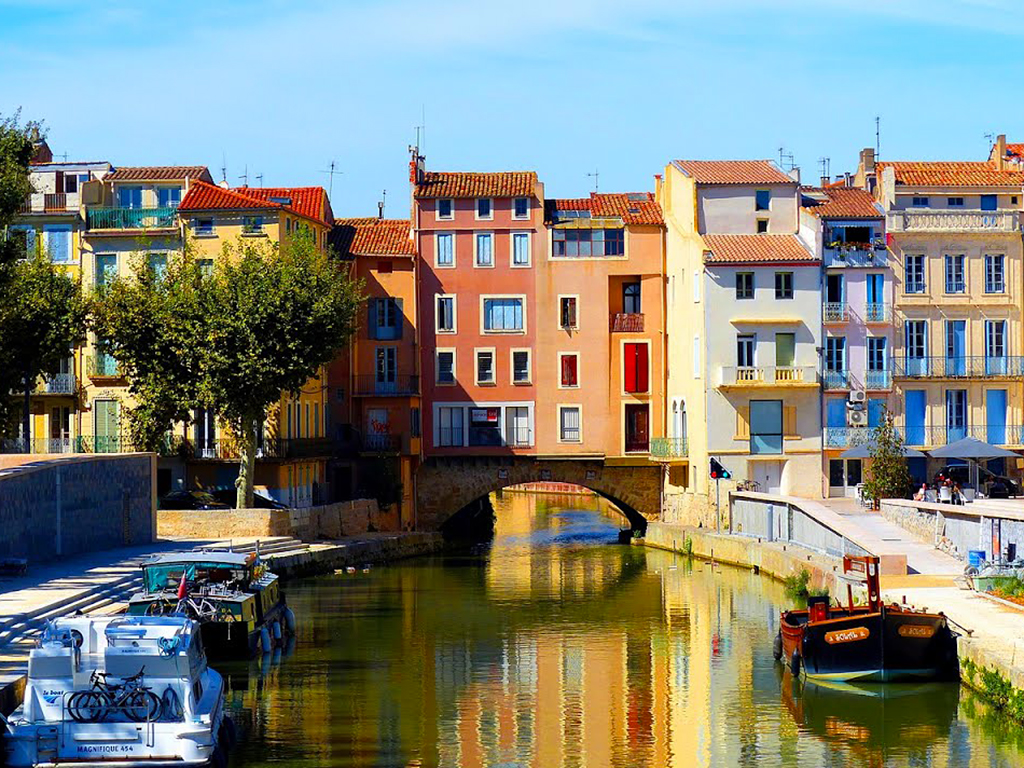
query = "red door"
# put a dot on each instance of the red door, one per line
(637, 432)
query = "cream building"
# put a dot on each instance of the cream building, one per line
(744, 330)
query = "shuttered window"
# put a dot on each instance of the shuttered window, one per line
(635, 367)
(570, 370)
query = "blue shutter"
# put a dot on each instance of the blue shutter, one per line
(371, 318)
(835, 413)
(399, 318)
(875, 408)
(995, 415)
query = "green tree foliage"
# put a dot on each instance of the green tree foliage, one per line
(42, 310)
(888, 476)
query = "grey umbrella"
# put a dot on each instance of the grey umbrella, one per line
(864, 452)
(973, 449)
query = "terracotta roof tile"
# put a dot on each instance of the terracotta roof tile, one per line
(756, 249)
(469, 184)
(733, 172)
(631, 207)
(841, 203)
(372, 237)
(160, 173)
(310, 202)
(209, 197)
(951, 174)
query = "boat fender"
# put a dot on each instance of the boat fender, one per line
(289, 620)
(168, 646)
(277, 632)
(170, 705)
(794, 663)
(777, 647)
(265, 644)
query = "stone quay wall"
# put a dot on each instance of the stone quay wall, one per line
(58, 507)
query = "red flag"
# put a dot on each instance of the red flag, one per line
(182, 587)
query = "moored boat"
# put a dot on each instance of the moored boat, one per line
(868, 642)
(235, 598)
(132, 691)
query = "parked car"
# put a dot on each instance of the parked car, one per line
(228, 496)
(190, 500)
(995, 486)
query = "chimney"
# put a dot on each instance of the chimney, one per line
(794, 173)
(41, 152)
(380, 211)
(824, 181)
(867, 160)
(417, 166)
(848, 178)
(999, 151)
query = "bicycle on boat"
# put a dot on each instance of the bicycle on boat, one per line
(94, 705)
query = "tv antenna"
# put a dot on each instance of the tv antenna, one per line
(878, 136)
(596, 175)
(786, 158)
(224, 167)
(826, 169)
(245, 176)
(331, 173)
(421, 129)
(259, 179)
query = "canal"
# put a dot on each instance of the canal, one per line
(556, 646)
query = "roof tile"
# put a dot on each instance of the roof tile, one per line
(951, 174)
(373, 237)
(756, 249)
(733, 172)
(842, 203)
(160, 173)
(210, 197)
(471, 184)
(632, 208)
(311, 202)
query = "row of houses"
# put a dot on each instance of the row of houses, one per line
(732, 312)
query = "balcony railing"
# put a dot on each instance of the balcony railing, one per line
(877, 313)
(952, 221)
(400, 384)
(626, 322)
(51, 202)
(59, 384)
(853, 256)
(102, 367)
(38, 445)
(959, 367)
(380, 443)
(769, 376)
(846, 437)
(877, 380)
(229, 448)
(956, 286)
(102, 444)
(836, 379)
(994, 434)
(669, 447)
(484, 437)
(131, 218)
(835, 312)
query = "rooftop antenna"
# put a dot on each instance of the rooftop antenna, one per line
(878, 136)
(64, 156)
(380, 205)
(331, 173)
(259, 179)
(223, 167)
(245, 176)
(596, 175)
(826, 169)
(786, 158)
(990, 139)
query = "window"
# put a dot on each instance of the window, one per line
(414, 422)
(129, 197)
(915, 340)
(450, 431)
(386, 370)
(956, 414)
(569, 424)
(158, 263)
(913, 272)
(26, 237)
(445, 366)
(955, 202)
(766, 426)
(762, 226)
(520, 249)
(444, 320)
(995, 347)
(484, 208)
(919, 202)
(503, 315)
(252, 225)
(484, 249)
(384, 318)
(58, 242)
(568, 364)
(744, 285)
(485, 366)
(631, 298)
(445, 209)
(835, 353)
(785, 350)
(876, 353)
(520, 366)
(783, 285)
(70, 183)
(106, 269)
(517, 426)
(203, 227)
(445, 249)
(168, 197)
(762, 199)
(205, 267)
(989, 202)
(521, 208)
(955, 274)
(995, 273)
(568, 318)
(745, 351)
(588, 242)
(634, 365)
(485, 426)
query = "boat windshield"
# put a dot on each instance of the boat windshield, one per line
(167, 576)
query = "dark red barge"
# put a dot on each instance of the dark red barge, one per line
(873, 642)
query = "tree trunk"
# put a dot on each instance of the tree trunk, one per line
(247, 464)
(26, 416)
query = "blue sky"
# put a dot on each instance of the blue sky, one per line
(563, 87)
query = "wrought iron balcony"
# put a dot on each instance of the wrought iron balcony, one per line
(59, 384)
(919, 220)
(398, 384)
(975, 366)
(836, 379)
(994, 434)
(835, 312)
(877, 380)
(103, 367)
(877, 313)
(769, 376)
(860, 255)
(667, 448)
(846, 437)
(131, 218)
(626, 322)
(102, 444)
(47, 445)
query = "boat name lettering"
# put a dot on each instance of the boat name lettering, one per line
(847, 635)
(105, 749)
(916, 630)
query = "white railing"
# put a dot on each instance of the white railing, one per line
(834, 312)
(952, 221)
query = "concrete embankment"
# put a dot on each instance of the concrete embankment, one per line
(364, 550)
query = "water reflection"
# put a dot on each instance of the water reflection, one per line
(557, 647)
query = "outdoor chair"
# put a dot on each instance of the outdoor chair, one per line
(945, 494)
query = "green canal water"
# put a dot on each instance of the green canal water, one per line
(556, 646)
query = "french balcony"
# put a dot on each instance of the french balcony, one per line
(103, 367)
(388, 386)
(952, 221)
(835, 312)
(669, 448)
(858, 255)
(934, 436)
(946, 367)
(743, 377)
(877, 380)
(57, 384)
(130, 218)
(877, 313)
(626, 322)
(846, 437)
(835, 379)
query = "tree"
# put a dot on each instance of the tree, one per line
(888, 476)
(42, 311)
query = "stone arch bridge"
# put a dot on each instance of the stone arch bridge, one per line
(446, 485)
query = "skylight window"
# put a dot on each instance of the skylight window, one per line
(281, 200)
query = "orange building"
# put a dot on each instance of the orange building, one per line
(377, 383)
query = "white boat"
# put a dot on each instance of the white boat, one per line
(86, 703)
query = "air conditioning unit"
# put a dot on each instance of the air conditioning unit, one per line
(858, 397)
(857, 418)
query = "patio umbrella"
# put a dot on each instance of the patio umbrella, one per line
(863, 451)
(971, 449)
